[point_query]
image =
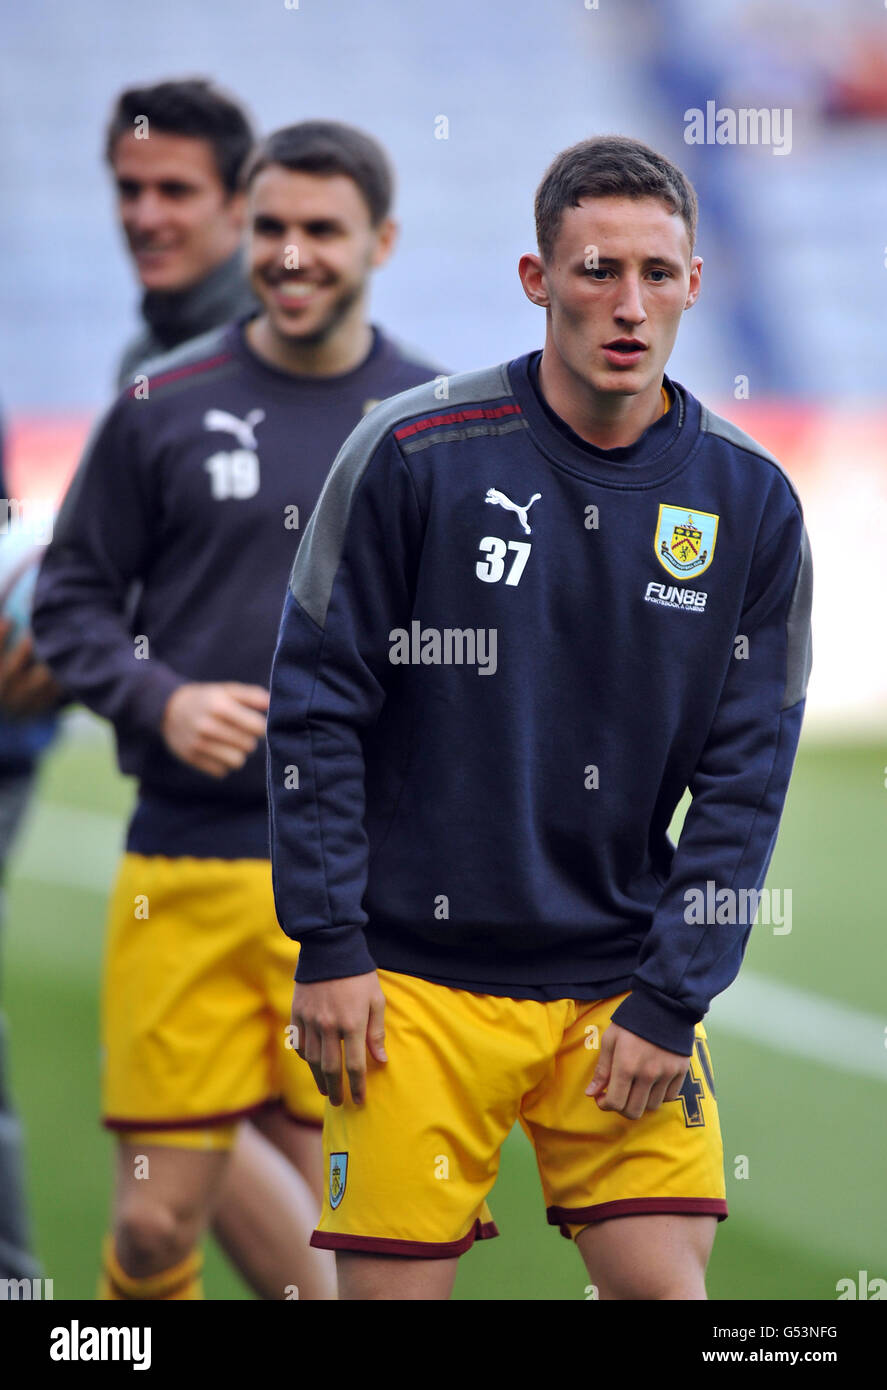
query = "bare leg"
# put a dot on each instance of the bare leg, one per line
(657, 1256)
(267, 1210)
(159, 1216)
(302, 1145)
(397, 1277)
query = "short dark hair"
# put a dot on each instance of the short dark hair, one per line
(191, 107)
(330, 147)
(609, 166)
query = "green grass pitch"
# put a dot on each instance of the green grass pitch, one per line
(813, 1208)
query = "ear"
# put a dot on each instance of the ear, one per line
(236, 207)
(532, 276)
(695, 277)
(386, 239)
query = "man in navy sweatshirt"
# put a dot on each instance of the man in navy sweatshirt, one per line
(198, 484)
(176, 151)
(523, 620)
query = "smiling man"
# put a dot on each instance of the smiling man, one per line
(199, 489)
(315, 238)
(177, 150)
(492, 916)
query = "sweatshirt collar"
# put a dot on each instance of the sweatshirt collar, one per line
(662, 449)
(272, 376)
(221, 295)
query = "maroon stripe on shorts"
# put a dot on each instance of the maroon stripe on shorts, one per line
(222, 1117)
(307, 1120)
(423, 1249)
(636, 1206)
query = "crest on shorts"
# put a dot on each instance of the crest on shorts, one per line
(685, 541)
(338, 1178)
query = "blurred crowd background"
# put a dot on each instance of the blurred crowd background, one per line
(793, 242)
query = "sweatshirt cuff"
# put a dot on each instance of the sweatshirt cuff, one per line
(333, 953)
(658, 1019)
(147, 704)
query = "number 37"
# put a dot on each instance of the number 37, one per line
(492, 569)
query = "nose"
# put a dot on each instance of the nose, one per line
(630, 305)
(145, 213)
(305, 247)
(292, 252)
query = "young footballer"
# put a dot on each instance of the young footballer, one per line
(176, 151)
(511, 641)
(198, 486)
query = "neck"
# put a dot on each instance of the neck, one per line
(194, 301)
(342, 351)
(604, 419)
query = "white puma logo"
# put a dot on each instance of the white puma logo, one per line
(498, 499)
(241, 429)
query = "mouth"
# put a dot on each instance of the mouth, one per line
(293, 294)
(153, 250)
(624, 351)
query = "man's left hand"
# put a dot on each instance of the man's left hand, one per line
(633, 1076)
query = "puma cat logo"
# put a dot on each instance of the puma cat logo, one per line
(241, 429)
(498, 499)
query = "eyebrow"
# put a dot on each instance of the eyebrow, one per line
(124, 181)
(614, 261)
(311, 222)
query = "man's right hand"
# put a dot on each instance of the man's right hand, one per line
(330, 1012)
(27, 687)
(215, 726)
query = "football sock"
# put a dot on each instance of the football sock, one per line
(182, 1281)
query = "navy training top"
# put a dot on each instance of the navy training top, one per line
(171, 552)
(503, 657)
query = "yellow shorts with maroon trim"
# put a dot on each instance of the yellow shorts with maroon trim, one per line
(197, 991)
(408, 1173)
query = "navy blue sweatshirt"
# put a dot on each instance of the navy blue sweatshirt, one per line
(499, 824)
(199, 494)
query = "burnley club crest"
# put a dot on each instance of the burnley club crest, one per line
(338, 1178)
(685, 541)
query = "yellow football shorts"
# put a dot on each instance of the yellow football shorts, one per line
(408, 1173)
(197, 991)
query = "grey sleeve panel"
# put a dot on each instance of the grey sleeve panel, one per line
(799, 658)
(317, 558)
(141, 347)
(194, 350)
(725, 429)
(319, 555)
